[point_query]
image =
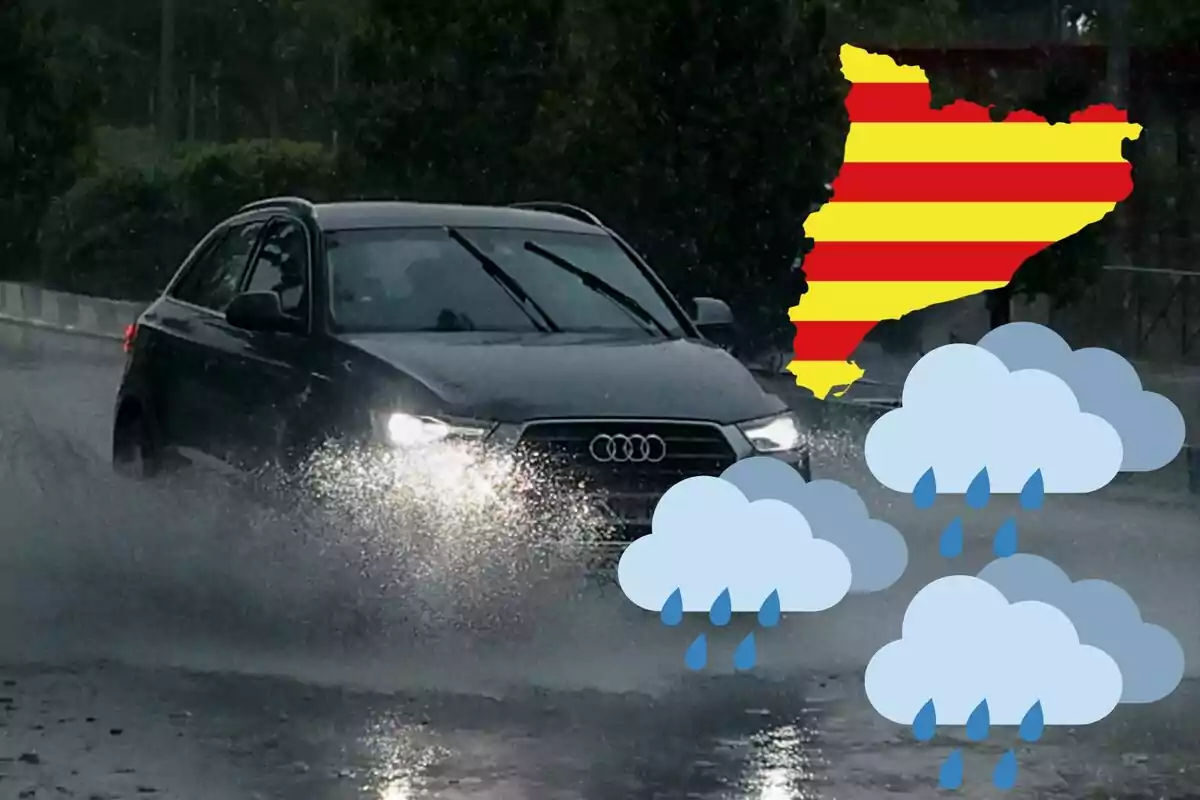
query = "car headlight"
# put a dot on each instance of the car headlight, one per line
(775, 434)
(412, 430)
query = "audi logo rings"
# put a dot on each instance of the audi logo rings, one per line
(628, 448)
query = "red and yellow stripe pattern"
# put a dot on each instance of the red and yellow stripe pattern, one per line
(935, 205)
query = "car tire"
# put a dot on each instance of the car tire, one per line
(134, 453)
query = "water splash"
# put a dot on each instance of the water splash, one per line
(1034, 492)
(696, 657)
(1004, 777)
(925, 723)
(746, 654)
(722, 610)
(768, 614)
(950, 545)
(1033, 724)
(980, 490)
(979, 722)
(672, 610)
(951, 774)
(925, 492)
(1005, 543)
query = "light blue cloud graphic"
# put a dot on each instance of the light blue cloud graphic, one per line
(1151, 427)
(707, 537)
(1151, 660)
(836, 513)
(963, 410)
(963, 643)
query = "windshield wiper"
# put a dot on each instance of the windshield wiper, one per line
(598, 284)
(506, 281)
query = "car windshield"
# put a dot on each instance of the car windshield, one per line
(422, 279)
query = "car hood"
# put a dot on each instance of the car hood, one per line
(517, 377)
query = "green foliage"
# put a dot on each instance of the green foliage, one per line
(118, 233)
(706, 133)
(123, 231)
(898, 23)
(139, 148)
(261, 67)
(213, 181)
(44, 127)
(445, 94)
(1149, 22)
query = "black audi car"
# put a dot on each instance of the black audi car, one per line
(394, 325)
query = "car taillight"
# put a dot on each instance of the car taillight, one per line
(130, 335)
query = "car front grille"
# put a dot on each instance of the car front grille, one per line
(687, 449)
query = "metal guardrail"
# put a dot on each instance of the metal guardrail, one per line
(1147, 313)
(73, 313)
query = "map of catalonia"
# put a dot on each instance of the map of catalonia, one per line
(935, 205)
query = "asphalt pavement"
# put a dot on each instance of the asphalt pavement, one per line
(179, 641)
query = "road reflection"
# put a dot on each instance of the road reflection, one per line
(783, 765)
(744, 757)
(401, 755)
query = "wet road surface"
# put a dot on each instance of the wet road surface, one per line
(173, 643)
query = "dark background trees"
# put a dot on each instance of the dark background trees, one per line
(45, 126)
(704, 132)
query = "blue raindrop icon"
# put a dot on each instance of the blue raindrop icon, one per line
(1005, 543)
(1034, 492)
(1033, 724)
(721, 610)
(979, 722)
(768, 615)
(951, 774)
(950, 545)
(696, 656)
(925, 492)
(672, 610)
(980, 490)
(1004, 777)
(746, 654)
(925, 723)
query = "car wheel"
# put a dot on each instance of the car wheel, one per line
(134, 454)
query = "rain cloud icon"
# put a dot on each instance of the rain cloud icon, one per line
(709, 539)
(758, 539)
(1020, 413)
(969, 657)
(1019, 645)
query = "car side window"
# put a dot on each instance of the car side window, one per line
(213, 281)
(281, 266)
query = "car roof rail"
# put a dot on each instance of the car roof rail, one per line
(299, 204)
(566, 209)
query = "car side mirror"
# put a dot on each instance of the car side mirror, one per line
(709, 311)
(714, 318)
(259, 311)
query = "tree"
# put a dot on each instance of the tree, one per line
(1150, 22)
(44, 130)
(706, 132)
(905, 23)
(257, 68)
(167, 122)
(443, 94)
